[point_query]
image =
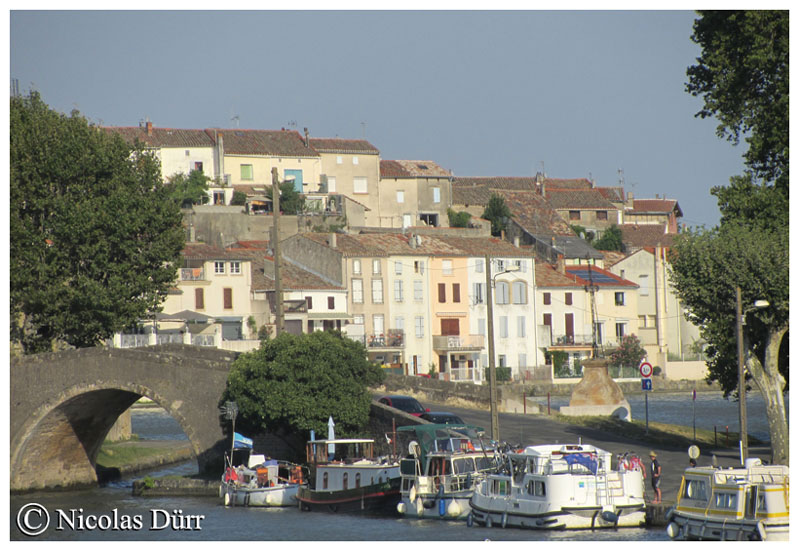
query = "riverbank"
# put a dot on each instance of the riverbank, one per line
(125, 458)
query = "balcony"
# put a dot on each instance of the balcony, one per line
(458, 343)
(572, 341)
(392, 339)
(192, 274)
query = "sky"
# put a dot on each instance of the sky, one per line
(573, 94)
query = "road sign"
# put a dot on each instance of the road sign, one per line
(647, 384)
(646, 369)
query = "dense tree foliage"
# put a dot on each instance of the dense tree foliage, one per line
(629, 353)
(293, 383)
(292, 202)
(458, 219)
(188, 190)
(498, 213)
(611, 240)
(743, 77)
(94, 237)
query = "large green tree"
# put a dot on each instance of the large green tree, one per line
(93, 236)
(611, 240)
(291, 201)
(293, 383)
(498, 213)
(742, 75)
(188, 190)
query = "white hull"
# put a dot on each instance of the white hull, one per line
(700, 528)
(278, 496)
(449, 506)
(588, 518)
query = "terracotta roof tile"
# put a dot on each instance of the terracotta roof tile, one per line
(384, 245)
(607, 279)
(568, 183)
(163, 137)
(496, 182)
(637, 236)
(533, 213)
(661, 206)
(288, 143)
(547, 276)
(205, 252)
(577, 199)
(400, 168)
(341, 145)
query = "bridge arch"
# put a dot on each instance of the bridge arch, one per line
(63, 405)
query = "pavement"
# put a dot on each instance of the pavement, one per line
(529, 429)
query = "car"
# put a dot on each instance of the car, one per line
(404, 403)
(442, 418)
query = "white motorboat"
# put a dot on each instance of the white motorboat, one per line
(561, 487)
(749, 503)
(447, 463)
(263, 482)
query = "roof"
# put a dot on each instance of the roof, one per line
(288, 143)
(655, 206)
(342, 145)
(205, 252)
(612, 193)
(412, 169)
(496, 182)
(292, 277)
(531, 212)
(587, 274)
(162, 137)
(547, 276)
(568, 183)
(646, 235)
(572, 246)
(578, 199)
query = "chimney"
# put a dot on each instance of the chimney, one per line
(560, 265)
(412, 241)
(192, 235)
(332, 240)
(149, 126)
(305, 131)
(516, 241)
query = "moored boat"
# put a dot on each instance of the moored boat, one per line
(561, 487)
(446, 463)
(263, 482)
(346, 476)
(749, 503)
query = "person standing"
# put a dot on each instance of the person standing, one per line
(655, 471)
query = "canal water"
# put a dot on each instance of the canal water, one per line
(176, 518)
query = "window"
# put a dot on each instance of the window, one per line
(568, 298)
(199, 302)
(219, 267)
(501, 293)
(504, 326)
(358, 480)
(522, 360)
(344, 481)
(377, 324)
(339, 160)
(198, 166)
(246, 172)
(400, 323)
(456, 293)
(536, 488)
(309, 303)
(398, 291)
(355, 160)
(358, 290)
(447, 267)
(450, 326)
(643, 285)
(331, 184)
(417, 290)
(227, 298)
(360, 185)
(726, 501)
(619, 298)
(482, 326)
(602, 215)
(442, 293)
(325, 480)
(376, 266)
(501, 265)
(520, 326)
(479, 266)
(401, 196)
(356, 266)
(236, 267)
(419, 267)
(437, 197)
(331, 303)
(377, 291)
(358, 319)
(398, 267)
(574, 215)
(419, 326)
(519, 293)
(547, 319)
(477, 293)
(546, 298)
(430, 219)
(695, 489)
(598, 329)
(522, 266)
(621, 330)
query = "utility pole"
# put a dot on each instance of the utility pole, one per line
(742, 393)
(495, 435)
(276, 250)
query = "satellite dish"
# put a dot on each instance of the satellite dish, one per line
(413, 449)
(694, 452)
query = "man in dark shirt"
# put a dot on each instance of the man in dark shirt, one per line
(655, 470)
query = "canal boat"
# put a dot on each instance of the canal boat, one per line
(747, 503)
(445, 463)
(346, 476)
(561, 487)
(263, 482)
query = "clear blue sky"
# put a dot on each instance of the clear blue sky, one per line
(577, 94)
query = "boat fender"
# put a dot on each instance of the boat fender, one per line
(428, 504)
(504, 520)
(453, 509)
(470, 519)
(673, 530)
(247, 499)
(469, 481)
(401, 508)
(412, 495)
(228, 499)
(610, 516)
(762, 531)
(442, 507)
(440, 491)
(420, 506)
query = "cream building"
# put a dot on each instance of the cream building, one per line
(413, 193)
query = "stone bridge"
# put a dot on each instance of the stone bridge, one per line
(63, 405)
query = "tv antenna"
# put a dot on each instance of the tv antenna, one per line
(235, 118)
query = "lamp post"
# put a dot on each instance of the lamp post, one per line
(490, 330)
(740, 323)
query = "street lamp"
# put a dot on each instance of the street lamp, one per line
(740, 323)
(490, 315)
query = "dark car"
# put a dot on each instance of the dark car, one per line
(442, 418)
(404, 403)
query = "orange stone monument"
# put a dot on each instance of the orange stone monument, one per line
(597, 394)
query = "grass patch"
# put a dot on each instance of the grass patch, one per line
(126, 453)
(656, 433)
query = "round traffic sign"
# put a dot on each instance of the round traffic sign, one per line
(646, 369)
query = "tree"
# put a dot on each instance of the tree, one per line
(498, 213)
(94, 238)
(292, 202)
(583, 233)
(189, 190)
(611, 240)
(629, 353)
(293, 383)
(706, 267)
(239, 198)
(743, 78)
(458, 219)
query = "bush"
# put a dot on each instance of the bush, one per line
(501, 373)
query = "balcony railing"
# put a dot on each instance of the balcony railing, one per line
(570, 340)
(458, 342)
(192, 274)
(391, 339)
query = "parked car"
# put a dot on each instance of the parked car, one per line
(404, 403)
(442, 418)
